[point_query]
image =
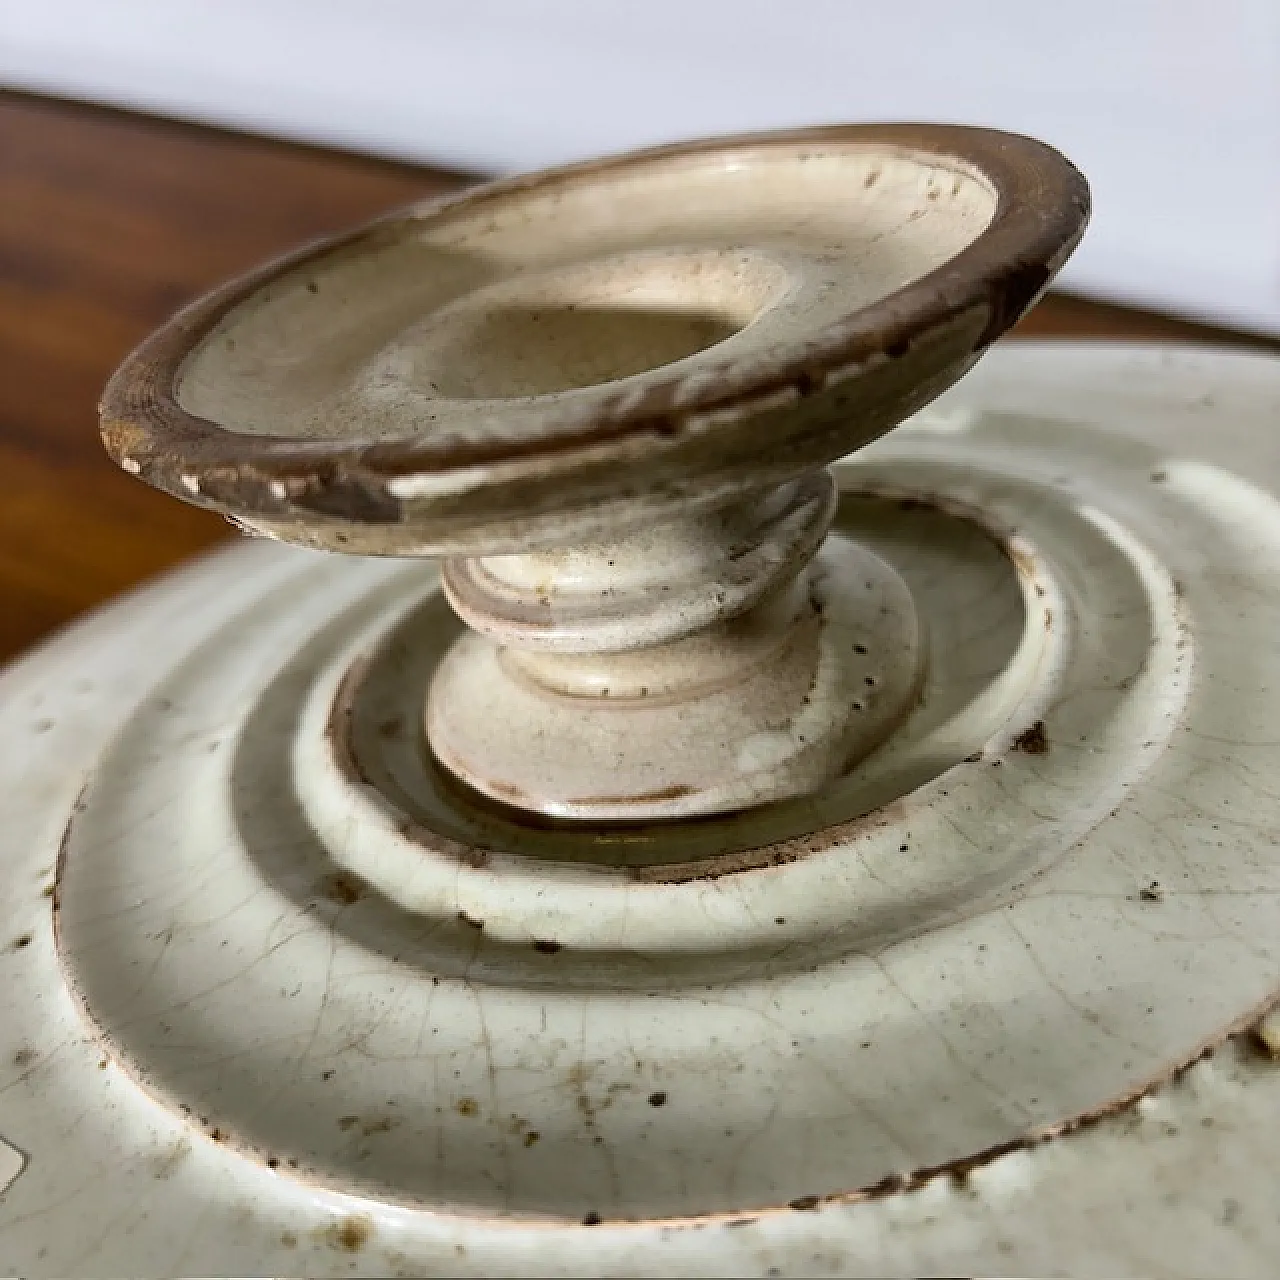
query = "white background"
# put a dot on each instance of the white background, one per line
(1171, 107)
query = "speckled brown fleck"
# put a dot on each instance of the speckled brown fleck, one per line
(352, 1233)
(344, 888)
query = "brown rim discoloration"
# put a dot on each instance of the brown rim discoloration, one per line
(1033, 740)
(343, 487)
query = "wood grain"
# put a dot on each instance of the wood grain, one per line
(111, 221)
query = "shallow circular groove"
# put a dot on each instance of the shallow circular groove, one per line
(989, 627)
(850, 1014)
(715, 724)
(645, 586)
(1173, 1184)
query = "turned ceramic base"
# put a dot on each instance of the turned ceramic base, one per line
(607, 396)
(772, 703)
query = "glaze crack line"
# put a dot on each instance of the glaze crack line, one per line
(1093, 1018)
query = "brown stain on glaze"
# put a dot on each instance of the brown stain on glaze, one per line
(772, 855)
(340, 734)
(1024, 283)
(343, 887)
(368, 1128)
(1264, 1035)
(392, 727)
(1034, 741)
(676, 791)
(508, 790)
(959, 1170)
(337, 728)
(466, 854)
(350, 1234)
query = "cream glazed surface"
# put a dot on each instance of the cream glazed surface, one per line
(279, 994)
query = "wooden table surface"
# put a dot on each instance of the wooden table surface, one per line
(108, 223)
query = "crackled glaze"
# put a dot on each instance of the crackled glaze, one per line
(270, 959)
(280, 991)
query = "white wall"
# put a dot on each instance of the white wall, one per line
(1172, 107)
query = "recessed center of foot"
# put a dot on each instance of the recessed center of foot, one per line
(536, 351)
(585, 324)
